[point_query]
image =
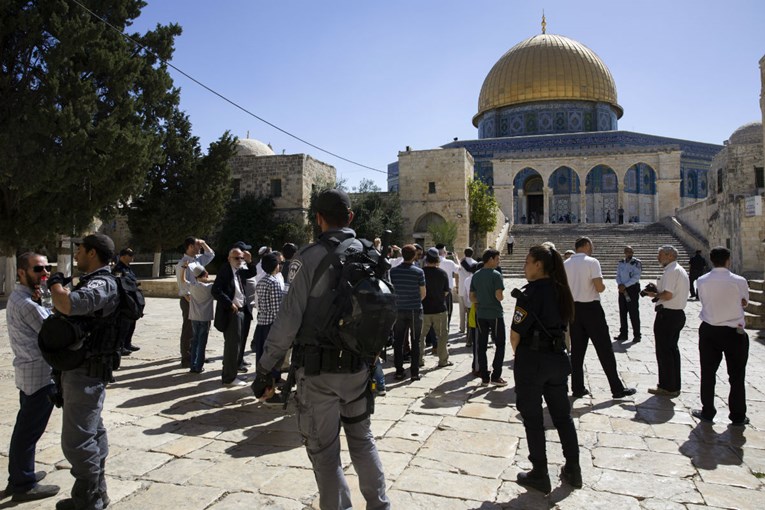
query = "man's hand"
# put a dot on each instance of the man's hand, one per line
(234, 308)
(58, 278)
(622, 288)
(263, 384)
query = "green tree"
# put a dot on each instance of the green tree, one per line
(483, 209)
(249, 219)
(444, 232)
(79, 108)
(186, 192)
(376, 212)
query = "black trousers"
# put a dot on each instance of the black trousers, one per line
(666, 331)
(632, 309)
(34, 412)
(544, 374)
(714, 342)
(407, 320)
(692, 277)
(186, 334)
(590, 324)
(495, 327)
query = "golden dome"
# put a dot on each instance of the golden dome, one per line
(547, 67)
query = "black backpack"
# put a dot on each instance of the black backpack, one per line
(363, 306)
(132, 301)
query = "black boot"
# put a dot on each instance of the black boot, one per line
(535, 479)
(572, 475)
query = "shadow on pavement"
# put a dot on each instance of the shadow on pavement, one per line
(708, 449)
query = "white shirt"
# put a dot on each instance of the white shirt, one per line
(581, 269)
(463, 274)
(450, 268)
(721, 292)
(238, 299)
(675, 280)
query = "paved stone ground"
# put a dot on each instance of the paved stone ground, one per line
(181, 441)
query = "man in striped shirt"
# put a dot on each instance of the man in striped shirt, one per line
(409, 285)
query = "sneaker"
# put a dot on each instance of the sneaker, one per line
(572, 476)
(485, 382)
(381, 392)
(35, 493)
(626, 392)
(499, 382)
(535, 481)
(236, 382)
(696, 413)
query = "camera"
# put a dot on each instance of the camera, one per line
(651, 287)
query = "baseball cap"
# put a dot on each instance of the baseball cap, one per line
(332, 200)
(102, 243)
(242, 246)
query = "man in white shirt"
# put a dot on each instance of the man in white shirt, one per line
(670, 299)
(467, 266)
(723, 296)
(451, 268)
(196, 251)
(586, 281)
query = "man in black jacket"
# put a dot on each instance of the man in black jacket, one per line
(125, 326)
(231, 310)
(698, 266)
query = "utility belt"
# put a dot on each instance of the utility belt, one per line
(315, 360)
(539, 341)
(102, 366)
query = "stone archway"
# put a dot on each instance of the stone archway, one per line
(421, 232)
(565, 203)
(601, 190)
(528, 191)
(640, 198)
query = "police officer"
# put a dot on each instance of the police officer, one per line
(542, 366)
(628, 272)
(125, 326)
(332, 385)
(94, 302)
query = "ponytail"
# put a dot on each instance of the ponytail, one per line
(552, 264)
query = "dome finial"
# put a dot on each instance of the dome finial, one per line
(544, 22)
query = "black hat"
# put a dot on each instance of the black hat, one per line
(102, 243)
(333, 200)
(269, 262)
(126, 251)
(60, 341)
(242, 246)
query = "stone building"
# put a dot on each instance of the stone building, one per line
(550, 150)
(287, 179)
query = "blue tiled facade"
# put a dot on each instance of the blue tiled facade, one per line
(547, 118)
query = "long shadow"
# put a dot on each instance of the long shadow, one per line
(531, 499)
(708, 449)
(206, 382)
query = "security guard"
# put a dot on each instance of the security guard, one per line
(628, 272)
(94, 302)
(542, 366)
(332, 385)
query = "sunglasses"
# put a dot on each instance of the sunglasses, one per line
(238, 258)
(40, 269)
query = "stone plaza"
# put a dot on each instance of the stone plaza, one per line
(183, 441)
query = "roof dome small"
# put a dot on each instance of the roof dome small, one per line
(252, 147)
(746, 134)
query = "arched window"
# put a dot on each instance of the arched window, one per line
(427, 220)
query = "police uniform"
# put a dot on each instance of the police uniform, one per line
(83, 436)
(541, 369)
(628, 274)
(332, 385)
(125, 326)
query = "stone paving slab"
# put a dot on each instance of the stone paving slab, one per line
(179, 440)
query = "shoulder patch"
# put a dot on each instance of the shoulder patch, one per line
(295, 266)
(95, 283)
(519, 315)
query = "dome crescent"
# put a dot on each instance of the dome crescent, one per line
(547, 67)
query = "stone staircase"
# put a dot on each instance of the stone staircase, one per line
(609, 241)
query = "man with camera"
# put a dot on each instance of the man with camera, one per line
(92, 303)
(670, 296)
(196, 251)
(25, 315)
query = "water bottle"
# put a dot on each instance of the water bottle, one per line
(45, 297)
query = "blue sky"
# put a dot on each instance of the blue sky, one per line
(365, 79)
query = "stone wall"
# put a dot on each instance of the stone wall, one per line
(435, 181)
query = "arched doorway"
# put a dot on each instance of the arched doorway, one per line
(421, 232)
(640, 194)
(564, 183)
(601, 195)
(528, 197)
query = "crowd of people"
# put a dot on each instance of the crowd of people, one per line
(286, 293)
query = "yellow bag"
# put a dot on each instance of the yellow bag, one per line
(471, 317)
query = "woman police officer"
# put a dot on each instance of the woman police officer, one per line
(542, 365)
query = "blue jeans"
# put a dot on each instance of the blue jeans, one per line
(379, 375)
(34, 412)
(201, 330)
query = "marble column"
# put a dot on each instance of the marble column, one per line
(521, 206)
(546, 209)
(582, 204)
